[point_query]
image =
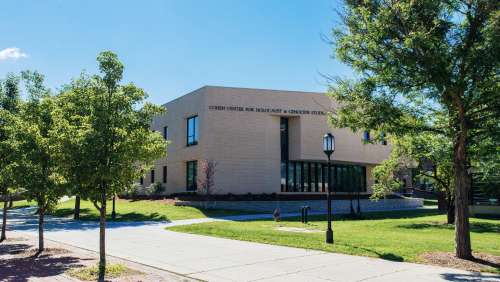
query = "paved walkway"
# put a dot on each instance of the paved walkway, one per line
(216, 259)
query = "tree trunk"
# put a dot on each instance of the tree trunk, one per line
(41, 214)
(462, 186)
(77, 208)
(11, 202)
(4, 221)
(450, 214)
(102, 236)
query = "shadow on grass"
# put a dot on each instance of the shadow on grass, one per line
(372, 215)
(477, 227)
(87, 215)
(386, 256)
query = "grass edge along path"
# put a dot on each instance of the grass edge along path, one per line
(396, 235)
(142, 210)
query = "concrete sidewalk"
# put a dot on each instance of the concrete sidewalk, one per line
(216, 259)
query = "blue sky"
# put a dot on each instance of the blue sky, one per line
(172, 47)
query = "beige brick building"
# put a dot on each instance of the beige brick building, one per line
(263, 141)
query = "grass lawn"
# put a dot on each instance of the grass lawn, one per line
(398, 236)
(430, 202)
(141, 210)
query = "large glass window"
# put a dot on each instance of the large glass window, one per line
(191, 168)
(298, 176)
(192, 131)
(284, 138)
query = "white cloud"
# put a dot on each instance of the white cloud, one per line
(12, 53)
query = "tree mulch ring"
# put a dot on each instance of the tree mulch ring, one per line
(481, 263)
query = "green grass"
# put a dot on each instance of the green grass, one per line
(398, 236)
(91, 273)
(141, 210)
(21, 204)
(430, 202)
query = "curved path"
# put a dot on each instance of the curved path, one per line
(216, 259)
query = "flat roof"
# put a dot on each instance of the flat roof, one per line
(250, 90)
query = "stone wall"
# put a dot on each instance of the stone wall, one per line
(317, 206)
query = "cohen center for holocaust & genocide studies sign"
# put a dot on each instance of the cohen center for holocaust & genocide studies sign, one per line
(266, 110)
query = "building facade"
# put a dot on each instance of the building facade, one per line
(262, 141)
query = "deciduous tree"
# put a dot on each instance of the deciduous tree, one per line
(9, 147)
(110, 124)
(39, 173)
(416, 58)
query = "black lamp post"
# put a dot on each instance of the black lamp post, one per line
(328, 148)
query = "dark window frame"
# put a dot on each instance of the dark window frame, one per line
(152, 176)
(366, 135)
(165, 132)
(191, 167)
(164, 174)
(194, 136)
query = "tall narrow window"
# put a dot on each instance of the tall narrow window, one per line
(164, 174)
(141, 180)
(152, 176)
(165, 132)
(382, 137)
(192, 131)
(366, 135)
(191, 168)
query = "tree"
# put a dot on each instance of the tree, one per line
(416, 58)
(40, 175)
(206, 183)
(429, 156)
(9, 151)
(110, 123)
(72, 111)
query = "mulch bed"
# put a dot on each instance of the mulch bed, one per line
(481, 263)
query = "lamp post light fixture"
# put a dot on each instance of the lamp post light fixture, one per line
(329, 148)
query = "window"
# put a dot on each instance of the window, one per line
(141, 180)
(191, 168)
(382, 137)
(366, 135)
(165, 174)
(152, 176)
(298, 176)
(192, 131)
(165, 132)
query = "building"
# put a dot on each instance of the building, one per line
(263, 141)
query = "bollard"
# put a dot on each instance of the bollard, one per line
(306, 213)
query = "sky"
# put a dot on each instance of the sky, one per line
(170, 48)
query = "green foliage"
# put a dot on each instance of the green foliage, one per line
(385, 182)
(416, 61)
(416, 58)
(429, 155)
(9, 145)
(105, 137)
(40, 175)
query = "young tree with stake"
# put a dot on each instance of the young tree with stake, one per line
(110, 123)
